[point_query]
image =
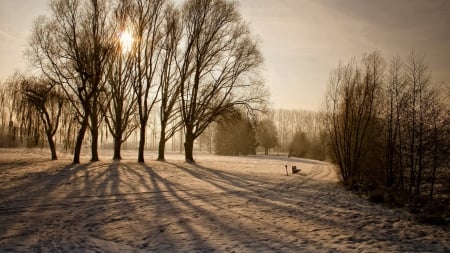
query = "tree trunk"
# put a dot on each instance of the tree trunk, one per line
(141, 144)
(79, 142)
(401, 181)
(189, 147)
(52, 146)
(412, 144)
(117, 147)
(162, 143)
(420, 164)
(94, 115)
(390, 146)
(433, 172)
(181, 140)
(94, 148)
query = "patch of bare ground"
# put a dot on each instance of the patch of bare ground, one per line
(221, 204)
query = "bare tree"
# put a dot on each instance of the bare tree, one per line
(121, 106)
(170, 121)
(44, 98)
(281, 120)
(7, 101)
(437, 142)
(351, 114)
(290, 122)
(207, 138)
(72, 49)
(409, 138)
(418, 81)
(219, 58)
(147, 18)
(395, 105)
(334, 104)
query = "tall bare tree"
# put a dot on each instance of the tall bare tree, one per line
(219, 58)
(121, 106)
(395, 105)
(100, 38)
(170, 120)
(147, 20)
(72, 47)
(437, 143)
(417, 81)
(351, 113)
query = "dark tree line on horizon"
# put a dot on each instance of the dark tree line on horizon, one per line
(193, 62)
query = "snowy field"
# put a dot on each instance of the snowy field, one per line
(221, 204)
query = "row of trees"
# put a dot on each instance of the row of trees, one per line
(241, 135)
(114, 62)
(289, 122)
(296, 132)
(389, 124)
(301, 133)
(33, 112)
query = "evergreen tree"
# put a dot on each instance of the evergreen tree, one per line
(300, 145)
(267, 135)
(235, 138)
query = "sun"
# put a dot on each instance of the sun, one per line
(126, 41)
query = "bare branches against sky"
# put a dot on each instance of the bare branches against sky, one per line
(301, 40)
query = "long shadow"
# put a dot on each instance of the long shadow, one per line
(187, 224)
(319, 214)
(342, 224)
(173, 191)
(83, 193)
(227, 181)
(36, 187)
(245, 190)
(137, 206)
(31, 195)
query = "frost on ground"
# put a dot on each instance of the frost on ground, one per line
(222, 204)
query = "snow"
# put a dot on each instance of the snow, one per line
(221, 204)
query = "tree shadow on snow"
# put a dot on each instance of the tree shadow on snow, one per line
(167, 206)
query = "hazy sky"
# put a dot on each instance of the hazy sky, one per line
(301, 40)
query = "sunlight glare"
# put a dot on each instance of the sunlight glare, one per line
(126, 41)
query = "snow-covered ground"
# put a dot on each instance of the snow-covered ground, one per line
(221, 204)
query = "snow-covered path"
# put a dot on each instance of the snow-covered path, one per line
(222, 204)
